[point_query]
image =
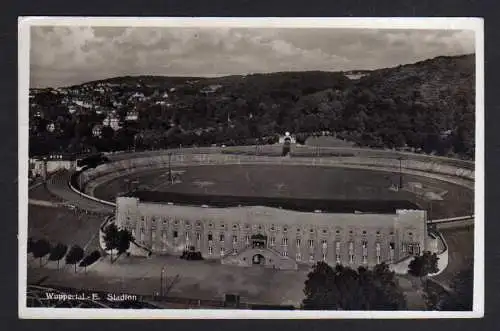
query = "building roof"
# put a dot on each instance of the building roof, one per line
(296, 204)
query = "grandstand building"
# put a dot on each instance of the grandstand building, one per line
(276, 237)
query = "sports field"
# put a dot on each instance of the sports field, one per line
(304, 182)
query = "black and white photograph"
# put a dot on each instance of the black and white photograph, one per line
(251, 168)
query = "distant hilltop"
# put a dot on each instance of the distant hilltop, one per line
(426, 106)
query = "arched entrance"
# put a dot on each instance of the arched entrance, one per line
(258, 259)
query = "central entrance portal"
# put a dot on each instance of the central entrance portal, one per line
(258, 259)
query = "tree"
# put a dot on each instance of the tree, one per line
(40, 249)
(111, 238)
(423, 265)
(57, 253)
(74, 255)
(123, 241)
(344, 288)
(89, 259)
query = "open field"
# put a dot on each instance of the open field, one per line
(299, 182)
(64, 225)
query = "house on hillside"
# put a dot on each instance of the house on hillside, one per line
(132, 115)
(97, 130)
(112, 121)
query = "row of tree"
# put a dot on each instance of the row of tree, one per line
(75, 255)
(343, 288)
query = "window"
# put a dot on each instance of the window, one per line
(210, 225)
(324, 231)
(210, 237)
(223, 226)
(351, 252)
(176, 222)
(324, 256)
(284, 253)
(337, 232)
(221, 237)
(187, 236)
(222, 251)
(311, 243)
(235, 239)
(272, 228)
(176, 234)
(284, 241)
(298, 257)
(235, 226)
(311, 230)
(298, 242)
(272, 241)
(198, 236)
(153, 220)
(210, 250)
(285, 229)
(164, 221)
(324, 245)
(247, 240)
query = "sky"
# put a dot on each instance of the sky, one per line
(68, 55)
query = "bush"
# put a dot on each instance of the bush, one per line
(191, 256)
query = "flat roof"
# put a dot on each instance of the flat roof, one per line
(380, 206)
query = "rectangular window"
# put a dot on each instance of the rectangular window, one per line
(176, 234)
(221, 237)
(210, 250)
(210, 237)
(235, 239)
(272, 241)
(222, 251)
(187, 236)
(324, 245)
(298, 242)
(284, 253)
(198, 236)
(298, 257)
(311, 243)
(284, 241)
(247, 240)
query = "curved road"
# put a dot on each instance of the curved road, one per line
(58, 185)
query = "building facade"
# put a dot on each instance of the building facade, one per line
(273, 237)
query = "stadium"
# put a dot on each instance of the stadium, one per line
(250, 205)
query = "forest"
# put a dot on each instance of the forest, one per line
(427, 106)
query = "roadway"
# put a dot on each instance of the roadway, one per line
(58, 184)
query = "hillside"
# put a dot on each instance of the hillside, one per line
(428, 105)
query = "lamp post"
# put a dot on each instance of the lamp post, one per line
(162, 276)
